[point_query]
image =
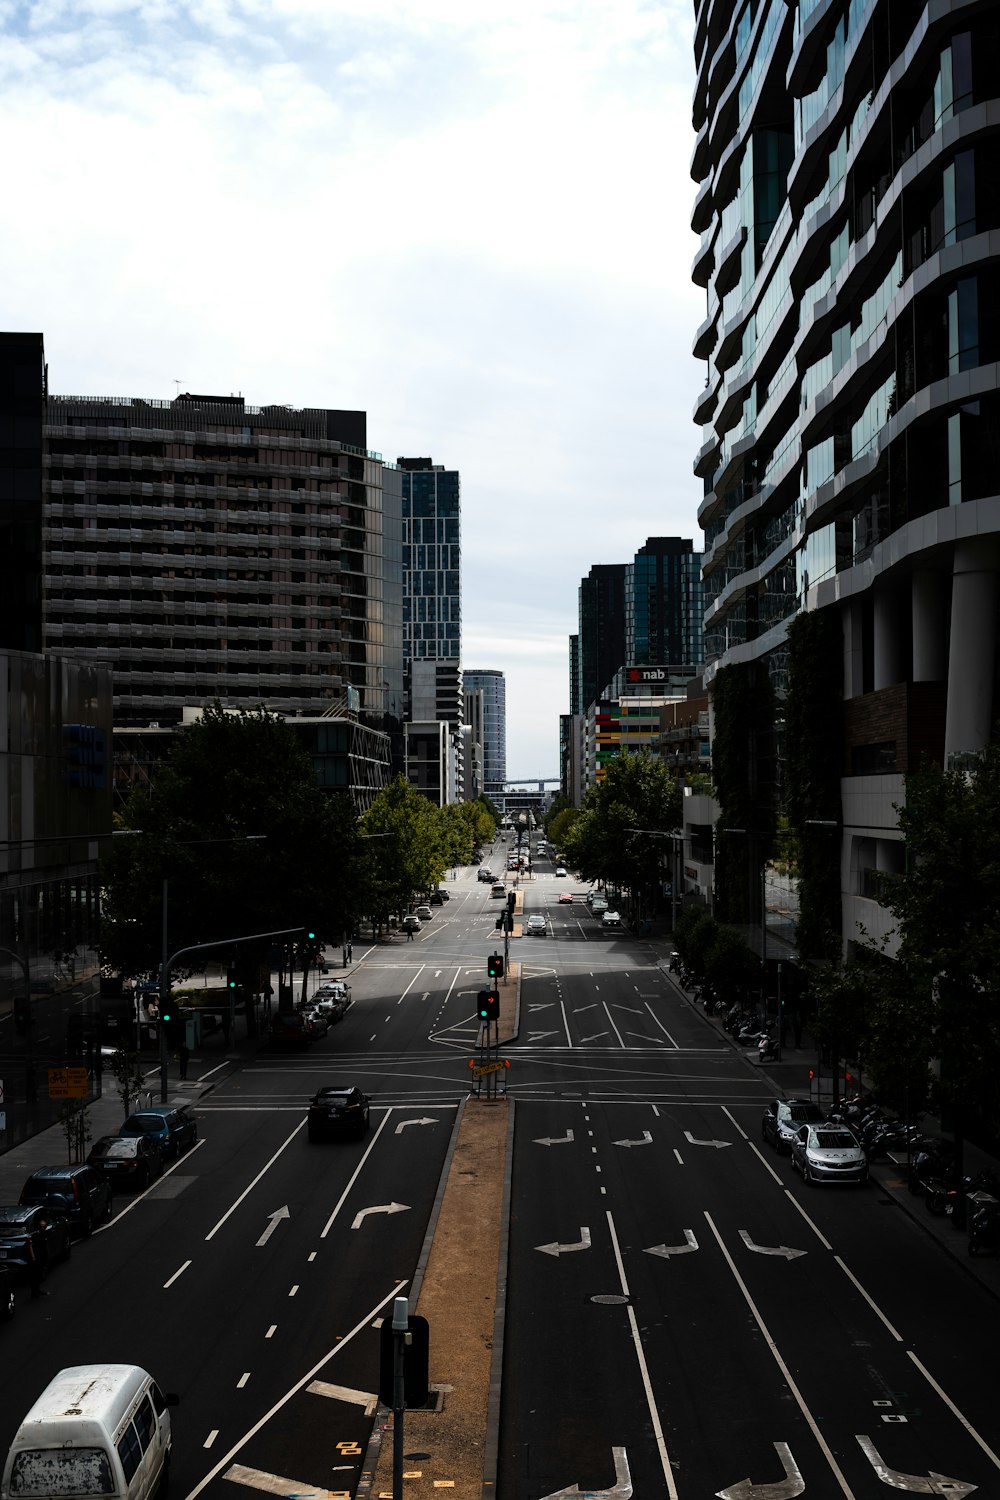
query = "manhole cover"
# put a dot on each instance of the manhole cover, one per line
(609, 1298)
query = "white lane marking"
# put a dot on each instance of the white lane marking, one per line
(654, 1414)
(271, 1331)
(871, 1303)
(954, 1410)
(292, 1290)
(243, 1380)
(562, 1007)
(816, 1231)
(179, 1272)
(211, 1438)
(680, 1159)
(273, 1484)
(249, 1189)
(138, 1197)
(354, 1176)
(367, 1399)
(659, 1023)
(782, 1366)
(614, 1028)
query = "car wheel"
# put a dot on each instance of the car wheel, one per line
(108, 1210)
(87, 1225)
(806, 1174)
(936, 1202)
(144, 1180)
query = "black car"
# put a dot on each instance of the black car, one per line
(337, 1111)
(79, 1192)
(782, 1118)
(18, 1226)
(127, 1161)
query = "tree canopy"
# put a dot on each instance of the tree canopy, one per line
(617, 836)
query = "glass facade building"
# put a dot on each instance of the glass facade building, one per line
(663, 604)
(846, 157)
(493, 687)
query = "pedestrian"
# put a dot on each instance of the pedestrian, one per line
(350, 951)
(183, 1055)
(38, 1258)
(409, 934)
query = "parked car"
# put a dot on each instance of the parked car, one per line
(411, 922)
(537, 925)
(126, 1161)
(424, 912)
(173, 1129)
(289, 1033)
(783, 1117)
(337, 1110)
(611, 919)
(19, 1224)
(828, 1153)
(438, 898)
(79, 1192)
(315, 1022)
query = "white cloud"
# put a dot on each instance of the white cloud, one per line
(472, 222)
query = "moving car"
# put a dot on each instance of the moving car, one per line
(336, 1110)
(598, 906)
(565, 898)
(126, 1161)
(782, 1118)
(560, 869)
(79, 1192)
(828, 1153)
(173, 1129)
(411, 922)
(499, 889)
(18, 1225)
(611, 919)
(537, 925)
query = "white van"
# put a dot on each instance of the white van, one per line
(96, 1430)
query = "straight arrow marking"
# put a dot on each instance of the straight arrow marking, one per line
(932, 1484)
(273, 1220)
(784, 1250)
(379, 1208)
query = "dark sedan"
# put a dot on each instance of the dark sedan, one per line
(337, 1111)
(172, 1129)
(127, 1161)
(18, 1226)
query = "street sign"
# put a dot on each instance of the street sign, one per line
(492, 1067)
(67, 1083)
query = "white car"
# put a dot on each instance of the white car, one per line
(537, 926)
(611, 919)
(560, 869)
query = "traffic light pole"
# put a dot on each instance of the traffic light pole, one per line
(400, 1323)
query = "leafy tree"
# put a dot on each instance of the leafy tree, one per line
(126, 1069)
(614, 838)
(730, 965)
(694, 937)
(558, 828)
(234, 838)
(405, 851)
(866, 1010)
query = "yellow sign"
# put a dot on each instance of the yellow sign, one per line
(67, 1083)
(493, 1067)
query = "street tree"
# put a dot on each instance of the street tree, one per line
(622, 835)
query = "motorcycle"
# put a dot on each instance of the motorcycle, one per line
(767, 1047)
(931, 1161)
(960, 1193)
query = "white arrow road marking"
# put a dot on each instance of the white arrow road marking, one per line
(542, 1005)
(784, 1250)
(581, 1008)
(554, 1140)
(425, 1121)
(622, 1489)
(556, 1249)
(273, 1220)
(647, 1140)
(933, 1484)
(668, 1250)
(717, 1144)
(380, 1208)
(785, 1489)
(539, 1036)
(595, 1038)
(273, 1484)
(367, 1399)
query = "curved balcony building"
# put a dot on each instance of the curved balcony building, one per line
(847, 169)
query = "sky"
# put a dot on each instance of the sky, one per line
(471, 221)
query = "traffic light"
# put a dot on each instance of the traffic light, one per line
(231, 975)
(511, 900)
(311, 936)
(498, 924)
(489, 1005)
(167, 1013)
(494, 966)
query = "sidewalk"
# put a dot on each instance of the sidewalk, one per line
(790, 1078)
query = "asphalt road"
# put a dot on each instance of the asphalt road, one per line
(683, 1314)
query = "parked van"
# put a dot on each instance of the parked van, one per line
(96, 1430)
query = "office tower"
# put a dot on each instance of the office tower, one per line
(847, 163)
(492, 686)
(202, 547)
(432, 595)
(22, 406)
(601, 630)
(663, 604)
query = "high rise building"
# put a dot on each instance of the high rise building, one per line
(432, 597)
(493, 687)
(601, 630)
(847, 163)
(663, 604)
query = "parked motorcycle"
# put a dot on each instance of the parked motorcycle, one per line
(767, 1047)
(932, 1160)
(984, 1231)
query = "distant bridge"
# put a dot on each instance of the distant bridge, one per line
(521, 783)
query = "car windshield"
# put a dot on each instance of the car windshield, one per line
(144, 1124)
(803, 1114)
(833, 1140)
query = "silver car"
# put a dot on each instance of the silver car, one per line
(828, 1153)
